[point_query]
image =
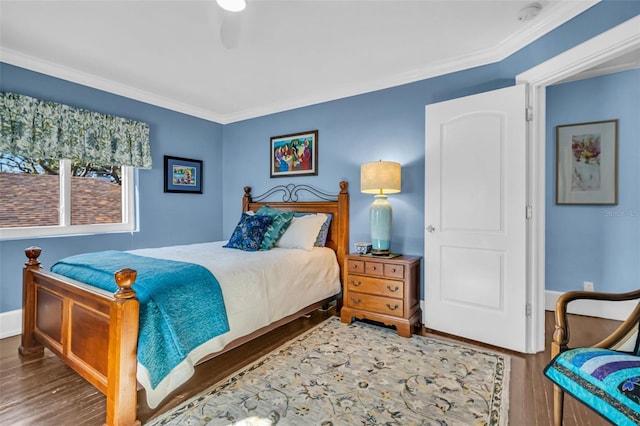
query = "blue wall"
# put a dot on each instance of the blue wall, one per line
(596, 243)
(165, 219)
(387, 124)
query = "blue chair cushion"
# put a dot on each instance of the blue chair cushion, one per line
(606, 381)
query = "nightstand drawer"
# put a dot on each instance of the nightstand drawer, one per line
(374, 268)
(356, 266)
(394, 271)
(378, 286)
(377, 304)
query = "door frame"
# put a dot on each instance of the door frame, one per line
(617, 41)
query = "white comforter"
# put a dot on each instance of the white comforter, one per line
(259, 288)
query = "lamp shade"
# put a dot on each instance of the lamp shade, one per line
(380, 177)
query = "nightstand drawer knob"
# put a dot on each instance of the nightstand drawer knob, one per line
(393, 269)
(395, 307)
(392, 289)
(357, 302)
(356, 284)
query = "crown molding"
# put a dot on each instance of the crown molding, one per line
(562, 13)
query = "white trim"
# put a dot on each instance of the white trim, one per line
(10, 323)
(602, 48)
(619, 311)
(65, 194)
(560, 14)
(618, 41)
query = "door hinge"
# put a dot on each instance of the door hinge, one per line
(528, 309)
(529, 113)
(528, 212)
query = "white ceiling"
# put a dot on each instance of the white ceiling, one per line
(286, 53)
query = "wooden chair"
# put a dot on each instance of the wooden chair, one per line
(605, 376)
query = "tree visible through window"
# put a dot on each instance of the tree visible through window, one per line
(30, 190)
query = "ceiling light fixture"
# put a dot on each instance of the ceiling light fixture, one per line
(232, 5)
(529, 12)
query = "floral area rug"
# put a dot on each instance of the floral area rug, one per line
(358, 374)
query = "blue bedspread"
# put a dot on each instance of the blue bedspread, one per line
(181, 304)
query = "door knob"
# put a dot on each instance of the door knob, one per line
(431, 228)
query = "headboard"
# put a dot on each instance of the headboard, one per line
(335, 204)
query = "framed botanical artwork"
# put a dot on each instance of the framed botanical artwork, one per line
(294, 155)
(182, 175)
(587, 163)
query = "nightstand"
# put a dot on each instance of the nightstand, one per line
(384, 290)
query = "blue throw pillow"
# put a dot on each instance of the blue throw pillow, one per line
(249, 232)
(280, 221)
(321, 239)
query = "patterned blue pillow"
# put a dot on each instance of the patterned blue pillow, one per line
(321, 239)
(249, 232)
(280, 221)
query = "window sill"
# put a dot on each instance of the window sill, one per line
(62, 231)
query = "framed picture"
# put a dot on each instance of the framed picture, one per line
(182, 175)
(294, 155)
(587, 163)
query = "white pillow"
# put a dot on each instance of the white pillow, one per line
(302, 232)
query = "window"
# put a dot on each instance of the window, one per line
(61, 197)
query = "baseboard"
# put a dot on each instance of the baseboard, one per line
(10, 323)
(593, 308)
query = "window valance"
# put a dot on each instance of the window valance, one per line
(43, 129)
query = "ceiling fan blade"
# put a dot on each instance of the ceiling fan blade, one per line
(230, 29)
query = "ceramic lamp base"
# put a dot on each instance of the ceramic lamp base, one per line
(380, 225)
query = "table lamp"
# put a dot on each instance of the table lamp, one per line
(380, 178)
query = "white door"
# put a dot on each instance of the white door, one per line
(475, 218)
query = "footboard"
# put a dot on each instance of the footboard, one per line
(93, 331)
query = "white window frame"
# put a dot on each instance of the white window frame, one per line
(128, 223)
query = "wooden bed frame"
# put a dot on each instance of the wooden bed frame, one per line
(96, 332)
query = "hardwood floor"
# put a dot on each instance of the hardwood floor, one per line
(43, 391)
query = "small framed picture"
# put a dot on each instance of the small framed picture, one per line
(182, 175)
(587, 163)
(294, 155)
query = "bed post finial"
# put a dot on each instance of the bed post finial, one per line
(33, 253)
(344, 186)
(125, 279)
(246, 199)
